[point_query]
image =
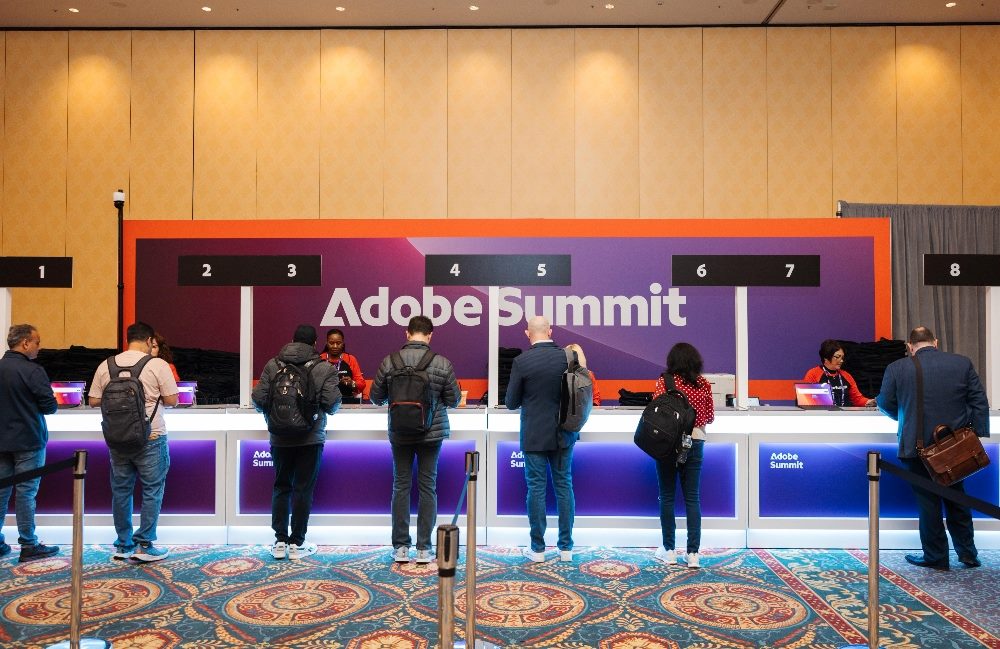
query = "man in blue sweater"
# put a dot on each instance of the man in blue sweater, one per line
(25, 397)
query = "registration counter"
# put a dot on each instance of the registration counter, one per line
(773, 477)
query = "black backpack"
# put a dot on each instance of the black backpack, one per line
(576, 398)
(411, 407)
(124, 422)
(664, 421)
(291, 400)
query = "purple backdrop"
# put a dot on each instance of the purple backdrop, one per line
(192, 462)
(355, 477)
(829, 480)
(786, 324)
(617, 479)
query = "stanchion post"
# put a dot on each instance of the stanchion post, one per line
(471, 470)
(874, 473)
(447, 559)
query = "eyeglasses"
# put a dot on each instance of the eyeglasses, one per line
(838, 356)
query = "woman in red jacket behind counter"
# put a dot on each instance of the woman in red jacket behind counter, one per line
(844, 388)
(352, 381)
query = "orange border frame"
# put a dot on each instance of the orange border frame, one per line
(876, 228)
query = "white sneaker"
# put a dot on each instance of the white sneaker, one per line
(424, 556)
(693, 560)
(565, 555)
(301, 551)
(668, 557)
(537, 557)
(401, 554)
(278, 550)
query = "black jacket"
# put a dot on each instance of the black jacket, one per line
(444, 389)
(324, 380)
(25, 396)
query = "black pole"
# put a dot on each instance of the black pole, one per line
(120, 204)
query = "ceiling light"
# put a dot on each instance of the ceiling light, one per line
(74, 10)
(473, 8)
(609, 6)
(950, 4)
(206, 8)
(341, 8)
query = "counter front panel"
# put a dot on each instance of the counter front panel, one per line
(355, 477)
(618, 479)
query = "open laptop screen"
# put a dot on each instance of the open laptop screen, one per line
(69, 394)
(185, 393)
(813, 395)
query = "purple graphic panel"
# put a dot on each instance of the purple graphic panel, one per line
(626, 315)
(617, 479)
(830, 481)
(354, 478)
(190, 485)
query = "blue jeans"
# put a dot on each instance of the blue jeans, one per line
(296, 469)
(560, 463)
(150, 467)
(426, 456)
(13, 462)
(667, 473)
(957, 517)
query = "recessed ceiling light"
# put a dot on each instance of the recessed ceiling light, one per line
(74, 10)
(341, 8)
(206, 8)
(473, 8)
(950, 4)
(609, 6)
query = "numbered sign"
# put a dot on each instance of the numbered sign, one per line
(497, 270)
(745, 270)
(36, 272)
(962, 270)
(249, 270)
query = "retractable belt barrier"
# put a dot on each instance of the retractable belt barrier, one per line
(79, 465)
(875, 465)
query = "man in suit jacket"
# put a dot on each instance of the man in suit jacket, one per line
(953, 395)
(535, 387)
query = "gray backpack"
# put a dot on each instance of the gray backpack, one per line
(124, 422)
(577, 397)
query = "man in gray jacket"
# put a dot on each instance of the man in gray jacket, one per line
(296, 456)
(425, 449)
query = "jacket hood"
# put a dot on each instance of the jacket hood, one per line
(297, 353)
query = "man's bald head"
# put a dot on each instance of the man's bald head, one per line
(538, 329)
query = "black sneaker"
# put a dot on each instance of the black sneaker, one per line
(4, 549)
(36, 552)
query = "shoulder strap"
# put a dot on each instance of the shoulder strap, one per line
(920, 403)
(425, 360)
(113, 368)
(572, 360)
(668, 382)
(396, 360)
(136, 369)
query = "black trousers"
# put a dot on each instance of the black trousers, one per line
(295, 471)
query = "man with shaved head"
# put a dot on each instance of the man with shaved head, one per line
(535, 387)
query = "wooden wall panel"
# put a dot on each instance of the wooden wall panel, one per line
(225, 125)
(607, 123)
(799, 148)
(288, 140)
(98, 163)
(416, 123)
(735, 100)
(981, 115)
(864, 114)
(161, 165)
(929, 127)
(479, 123)
(542, 130)
(671, 142)
(34, 186)
(352, 135)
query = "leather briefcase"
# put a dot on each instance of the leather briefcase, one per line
(954, 455)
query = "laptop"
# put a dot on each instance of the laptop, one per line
(69, 394)
(186, 394)
(814, 396)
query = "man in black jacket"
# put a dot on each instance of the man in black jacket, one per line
(425, 449)
(25, 397)
(297, 458)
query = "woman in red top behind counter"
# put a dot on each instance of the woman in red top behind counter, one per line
(844, 388)
(352, 381)
(685, 365)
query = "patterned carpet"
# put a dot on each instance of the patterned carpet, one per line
(219, 597)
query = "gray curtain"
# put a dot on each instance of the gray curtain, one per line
(955, 314)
